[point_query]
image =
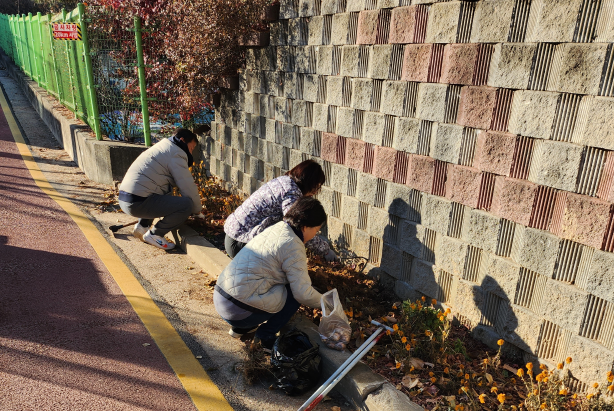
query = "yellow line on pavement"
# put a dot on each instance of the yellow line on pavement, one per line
(204, 393)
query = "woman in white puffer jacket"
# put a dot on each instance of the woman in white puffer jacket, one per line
(264, 285)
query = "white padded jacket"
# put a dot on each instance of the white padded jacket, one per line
(258, 275)
(158, 169)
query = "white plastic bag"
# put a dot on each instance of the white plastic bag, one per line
(334, 327)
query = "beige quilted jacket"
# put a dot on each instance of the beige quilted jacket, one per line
(258, 275)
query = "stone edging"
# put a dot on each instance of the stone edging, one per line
(361, 387)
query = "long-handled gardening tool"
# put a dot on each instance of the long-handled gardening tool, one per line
(334, 379)
(114, 228)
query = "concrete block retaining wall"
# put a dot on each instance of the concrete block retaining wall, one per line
(468, 154)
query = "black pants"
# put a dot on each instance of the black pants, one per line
(232, 246)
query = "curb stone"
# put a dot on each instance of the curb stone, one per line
(362, 387)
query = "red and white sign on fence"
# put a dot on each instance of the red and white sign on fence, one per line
(66, 31)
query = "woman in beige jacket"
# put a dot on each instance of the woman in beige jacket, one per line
(267, 281)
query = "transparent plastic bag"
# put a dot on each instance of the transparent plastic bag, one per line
(334, 327)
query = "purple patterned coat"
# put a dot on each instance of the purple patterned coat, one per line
(265, 207)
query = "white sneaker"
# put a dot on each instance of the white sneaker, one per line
(158, 241)
(138, 231)
(239, 334)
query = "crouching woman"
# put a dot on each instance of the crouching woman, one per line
(266, 282)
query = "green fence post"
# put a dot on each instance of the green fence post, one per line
(142, 81)
(90, 73)
(71, 70)
(40, 58)
(30, 46)
(58, 84)
(22, 39)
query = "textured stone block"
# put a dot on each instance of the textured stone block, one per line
(510, 65)
(308, 141)
(577, 68)
(436, 213)
(350, 57)
(320, 117)
(393, 98)
(533, 113)
(384, 162)
(411, 237)
(406, 133)
(334, 90)
(476, 106)
(443, 21)
(600, 277)
(355, 5)
(334, 229)
(355, 153)
(431, 103)
(467, 300)
(422, 278)
(584, 219)
(374, 127)
(405, 292)
(450, 255)
(421, 173)
(379, 66)
(299, 113)
(595, 123)
(397, 197)
(325, 60)
(329, 147)
(387, 398)
(553, 22)
(459, 63)
(463, 185)
(417, 62)
(362, 89)
(481, 229)
(564, 305)
(403, 24)
(340, 28)
(499, 276)
(494, 152)
(513, 199)
(349, 212)
(314, 28)
(591, 361)
(270, 130)
(310, 87)
(366, 188)
(491, 21)
(378, 225)
(447, 142)
(555, 164)
(339, 178)
(345, 121)
(281, 109)
(392, 260)
(367, 27)
(535, 249)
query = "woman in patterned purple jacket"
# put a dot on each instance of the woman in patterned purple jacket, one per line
(269, 204)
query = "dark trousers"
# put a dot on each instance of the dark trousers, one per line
(173, 211)
(273, 322)
(232, 246)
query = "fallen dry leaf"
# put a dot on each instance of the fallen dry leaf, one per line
(335, 408)
(510, 369)
(489, 378)
(416, 363)
(410, 382)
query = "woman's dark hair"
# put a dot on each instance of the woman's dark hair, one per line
(185, 134)
(306, 212)
(308, 176)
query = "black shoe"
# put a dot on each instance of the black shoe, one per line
(267, 345)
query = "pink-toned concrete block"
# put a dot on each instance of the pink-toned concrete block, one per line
(384, 162)
(403, 24)
(417, 62)
(354, 153)
(494, 152)
(585, 219)
(513, 199)
(463, 185)
(367, 27)
(606, 185)
(459, 62)
(329, 147)
(476, 106)
(421, 172)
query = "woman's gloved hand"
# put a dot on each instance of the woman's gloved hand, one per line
(331, 256)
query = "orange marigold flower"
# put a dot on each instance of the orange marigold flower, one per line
(408, 347)
(539, 377)
(404, 340)
(433, 380)
(501, 398)
(447, 311)
(446, 370)
(589, 396)
(485, 361)
(433, 301)
(596, 385)
(387, 332)
(431, 374)
(482, 398)
(500, 342)
(494, 389)
(543, 406)
(423, 298)
(559, 366)
(398, 365)
(574, 396)
(461, 366)
(466, 376)
(563, 391)
(412, 306)
(611, 388)
(513, 380)
(529, 366)
(395, 327)
(542, 366)
(520, 372)
(428, 333)
(568, 360)
(610, 376)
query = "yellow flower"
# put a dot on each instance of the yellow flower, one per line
(568, 360)
(501, 398)
(482, 398)
(611, 388)
(411, 369)
(466, 376)
(431, 374)
(408, 347)
(513, 380)
(461, 366)
(500, 342)
(412, 306)
(404, 340)
(539, 377)
(543, 406)
(559, 366)
(395, 327)
(400, 333)
(446, 370)
(433, 380)
(394, 306)
(563, 392)
(529, 366)
(596, 385)
(610, 376)
(520, 372)
(589, 396)
(423, 298)
(398, 365)
(434, 301)
(494, 389)
(428, 333)
(574, 396)
(447, 311)
(387, 332)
